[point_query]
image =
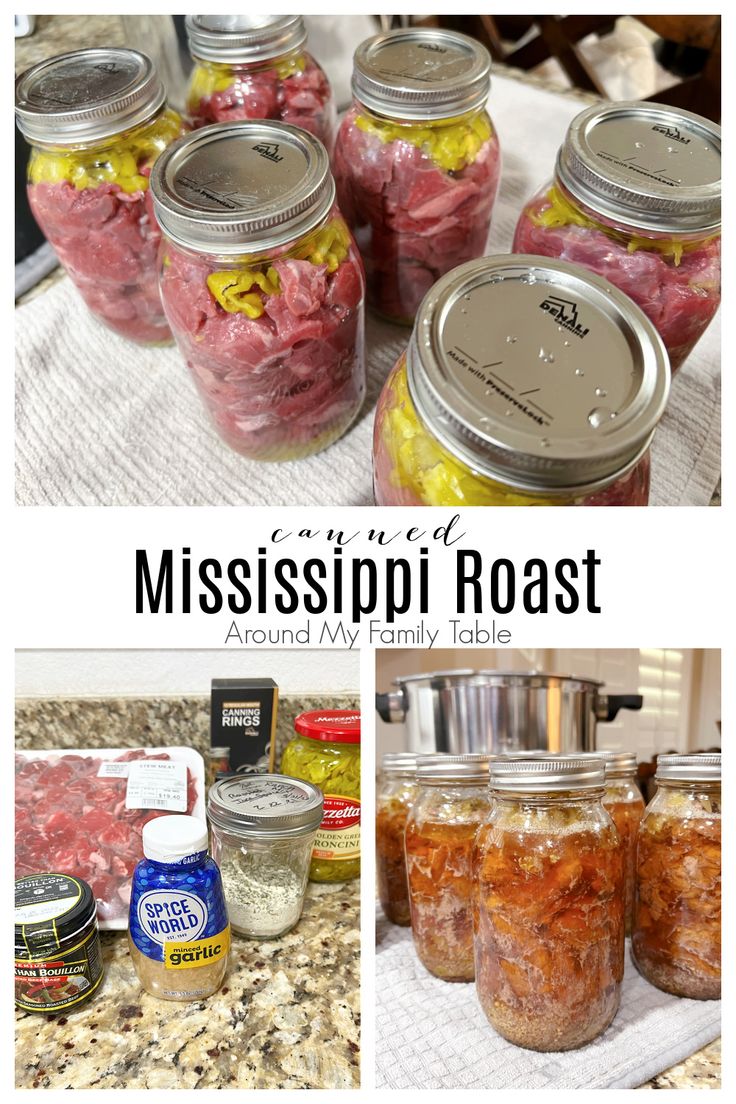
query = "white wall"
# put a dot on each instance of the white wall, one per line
(45, 674)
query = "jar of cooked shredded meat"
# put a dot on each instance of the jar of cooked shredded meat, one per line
(549, 918)
(625, 806)
(451, 803)
(676, 939)
(396, 794)
(636, 198)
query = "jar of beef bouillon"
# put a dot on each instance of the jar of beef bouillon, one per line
(527, 382)
(549, 921)
(451, 803)
(676, 938)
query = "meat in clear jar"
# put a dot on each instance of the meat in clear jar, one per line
(396, 795)
(417, 171)
(269, 321)
(659, 239)
(625, 806)
(257, 68)
(440, 833)
(549, 926)
(88, 186)
(676, 939)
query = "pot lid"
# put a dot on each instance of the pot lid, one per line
(482, 677)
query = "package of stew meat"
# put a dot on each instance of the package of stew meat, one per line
(82, 811)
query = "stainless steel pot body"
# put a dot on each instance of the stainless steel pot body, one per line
(498, 711)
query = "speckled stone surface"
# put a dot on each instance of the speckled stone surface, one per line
(287, 1017)
(701, 1071)
(144, 722)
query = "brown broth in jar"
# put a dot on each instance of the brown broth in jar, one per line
(625, 806)
(676, 941)
(440, 835)
(549, 936)
(393, 804)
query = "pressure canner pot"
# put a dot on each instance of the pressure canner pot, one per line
(499, 711)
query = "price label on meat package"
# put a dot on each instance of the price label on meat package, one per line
(157, 784)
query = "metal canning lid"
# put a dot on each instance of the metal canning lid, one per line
(421, 73)
(333, 726)
(537, 373)
(244, 38)
(689, 768)
(650, 166)
(618, 763)
(50, 909)
(87, 95)
(242, 187)
(453, 768)
(399, 762)
(265, 805)
(554, 774)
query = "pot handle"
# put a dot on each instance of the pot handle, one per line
(391, 707)
(609, 705)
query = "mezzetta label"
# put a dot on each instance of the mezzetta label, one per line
(338, 836)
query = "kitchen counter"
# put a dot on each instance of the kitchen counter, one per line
(287, 1017)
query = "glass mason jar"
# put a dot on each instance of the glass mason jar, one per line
(262, 830)
(256, 67)
(549, 922)
(96, 121)
(451, 803)
(396, 793)
(636, 198)
(326, 751)
(178, 930)
(417, 161)
(624, 804)
(676, 939)
(527, 382)
(262, 285)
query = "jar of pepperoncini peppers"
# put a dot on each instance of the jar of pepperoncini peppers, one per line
(262, 285)
(527, 382)
(417, 161)
(451, 804)
(549, 913)
(636, 198)
(96, 121)
(395, 795)
(326, 752)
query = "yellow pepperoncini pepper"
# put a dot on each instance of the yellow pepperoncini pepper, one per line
(234, 288)
(428, 471)
(210, 77)
(118, 161)
(451, 146)
(560, 212)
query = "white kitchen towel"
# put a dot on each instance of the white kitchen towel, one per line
(103, 422)
(432, 1034)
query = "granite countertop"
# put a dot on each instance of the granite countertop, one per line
(287, 1017)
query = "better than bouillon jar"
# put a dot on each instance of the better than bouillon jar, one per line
(262, 285)
(326, 752)
(676, 939)
(527, 382)
(58, 959)
(549, 925)
(257, 67)
(396, 793)
(417, 161)
(96, 121)
(636, 198)
(451, 804)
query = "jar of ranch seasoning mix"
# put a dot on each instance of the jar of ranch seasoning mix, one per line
(527, 382)
(179, 933)
(326, 752)
(636, 198)
(96, 121)
(262, 285)
(257, 67)
(417, 161)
